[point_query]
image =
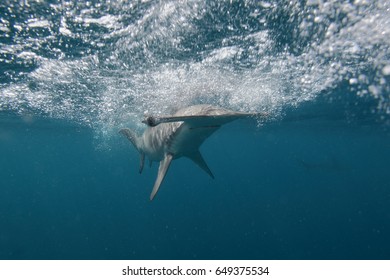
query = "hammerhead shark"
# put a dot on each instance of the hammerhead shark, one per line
(180, 135)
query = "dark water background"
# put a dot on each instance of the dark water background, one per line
(312, 182)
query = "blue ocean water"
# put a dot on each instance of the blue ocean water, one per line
(310, 182)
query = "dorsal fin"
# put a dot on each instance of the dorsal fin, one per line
(162, 171)
(197, 158)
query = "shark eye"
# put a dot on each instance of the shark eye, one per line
(150, 121)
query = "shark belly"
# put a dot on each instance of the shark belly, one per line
(156, 141)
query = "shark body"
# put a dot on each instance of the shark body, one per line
(180, 135)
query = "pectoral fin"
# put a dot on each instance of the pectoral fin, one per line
(197, 158)
(135, 140)
(162, 171)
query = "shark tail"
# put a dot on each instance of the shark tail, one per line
(133, 137)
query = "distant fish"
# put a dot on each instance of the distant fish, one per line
(181, 134)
